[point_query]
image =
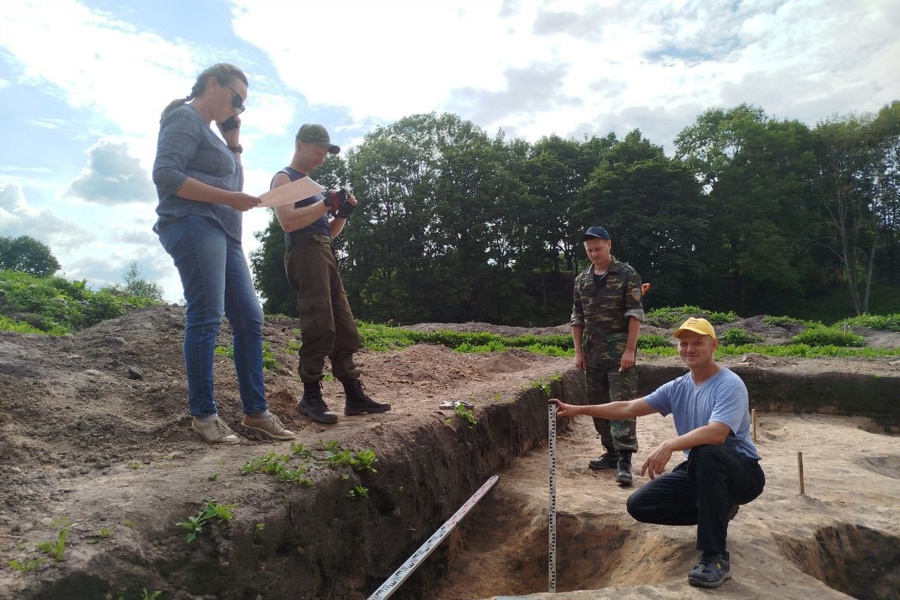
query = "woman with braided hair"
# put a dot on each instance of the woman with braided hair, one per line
(199, 180)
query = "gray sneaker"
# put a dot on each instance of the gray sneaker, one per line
(215, 432)
(712, 570)
(623, 472)
(271, 426)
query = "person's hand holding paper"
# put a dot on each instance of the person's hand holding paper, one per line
(290, 192)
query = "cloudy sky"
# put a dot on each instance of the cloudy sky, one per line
(82, 85)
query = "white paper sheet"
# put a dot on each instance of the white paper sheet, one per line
(291, 192)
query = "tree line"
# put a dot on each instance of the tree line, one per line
(752, 214)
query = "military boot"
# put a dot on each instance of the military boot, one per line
(312, 405)
(623, 474)
(607, 460)
(358, 403)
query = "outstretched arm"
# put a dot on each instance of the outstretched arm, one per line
(629, 409)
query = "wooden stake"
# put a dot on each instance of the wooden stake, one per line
(800, 472)
(753, 419)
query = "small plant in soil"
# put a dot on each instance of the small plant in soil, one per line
(55, 550)
(544, 387)
(212, 512)
(276, 464)
(102, 534)
(359, 492)
(28, 565)
(363, 460)
(301, 451)
(463, 413)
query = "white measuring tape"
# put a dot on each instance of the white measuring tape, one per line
(406, 569)
(551, 563)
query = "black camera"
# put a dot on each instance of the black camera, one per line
(336, 199)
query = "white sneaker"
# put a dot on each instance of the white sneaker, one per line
(215, 432)
(271, 426)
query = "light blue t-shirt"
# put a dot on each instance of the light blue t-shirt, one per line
(722, 398)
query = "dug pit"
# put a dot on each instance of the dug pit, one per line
(95, 439)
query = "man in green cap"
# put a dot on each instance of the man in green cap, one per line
(327, 328)
(606, 318)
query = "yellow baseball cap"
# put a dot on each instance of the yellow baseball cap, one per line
(701, 326)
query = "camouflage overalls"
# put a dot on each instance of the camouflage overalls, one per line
(603, 311)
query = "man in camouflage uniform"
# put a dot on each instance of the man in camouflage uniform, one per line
(606, 318)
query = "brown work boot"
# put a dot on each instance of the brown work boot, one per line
(358, 403)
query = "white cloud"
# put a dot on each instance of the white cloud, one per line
(113, 177)
(531, 67)
(18, 218)
(521, 65)
(95, 62)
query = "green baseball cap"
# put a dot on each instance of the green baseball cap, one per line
(316, 134)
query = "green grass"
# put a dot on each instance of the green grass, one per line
(670, 316)
(816, 340)
(56, 306)
(886, 322)
(294, 467)
(270, 363)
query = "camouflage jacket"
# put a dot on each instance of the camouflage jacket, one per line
(603, 311)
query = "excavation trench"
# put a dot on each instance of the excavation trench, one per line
(856, 560)
(315, 544)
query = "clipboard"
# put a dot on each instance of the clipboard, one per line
(290, 192)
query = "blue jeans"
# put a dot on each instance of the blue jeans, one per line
(216, 282)
(700, 491)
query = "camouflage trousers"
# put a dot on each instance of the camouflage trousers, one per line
(606, 384)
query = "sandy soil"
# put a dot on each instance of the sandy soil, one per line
(847, 519)
(94, 432)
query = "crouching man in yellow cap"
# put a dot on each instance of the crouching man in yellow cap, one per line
(711, 410)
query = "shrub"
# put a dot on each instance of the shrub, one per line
(737, 336)
(787, 321)
(654, 340)
(886, 322)
(670, 316)
(56, 305)
(827, 336)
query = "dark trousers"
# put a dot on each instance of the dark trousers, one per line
(327, 328)
(701, 492)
